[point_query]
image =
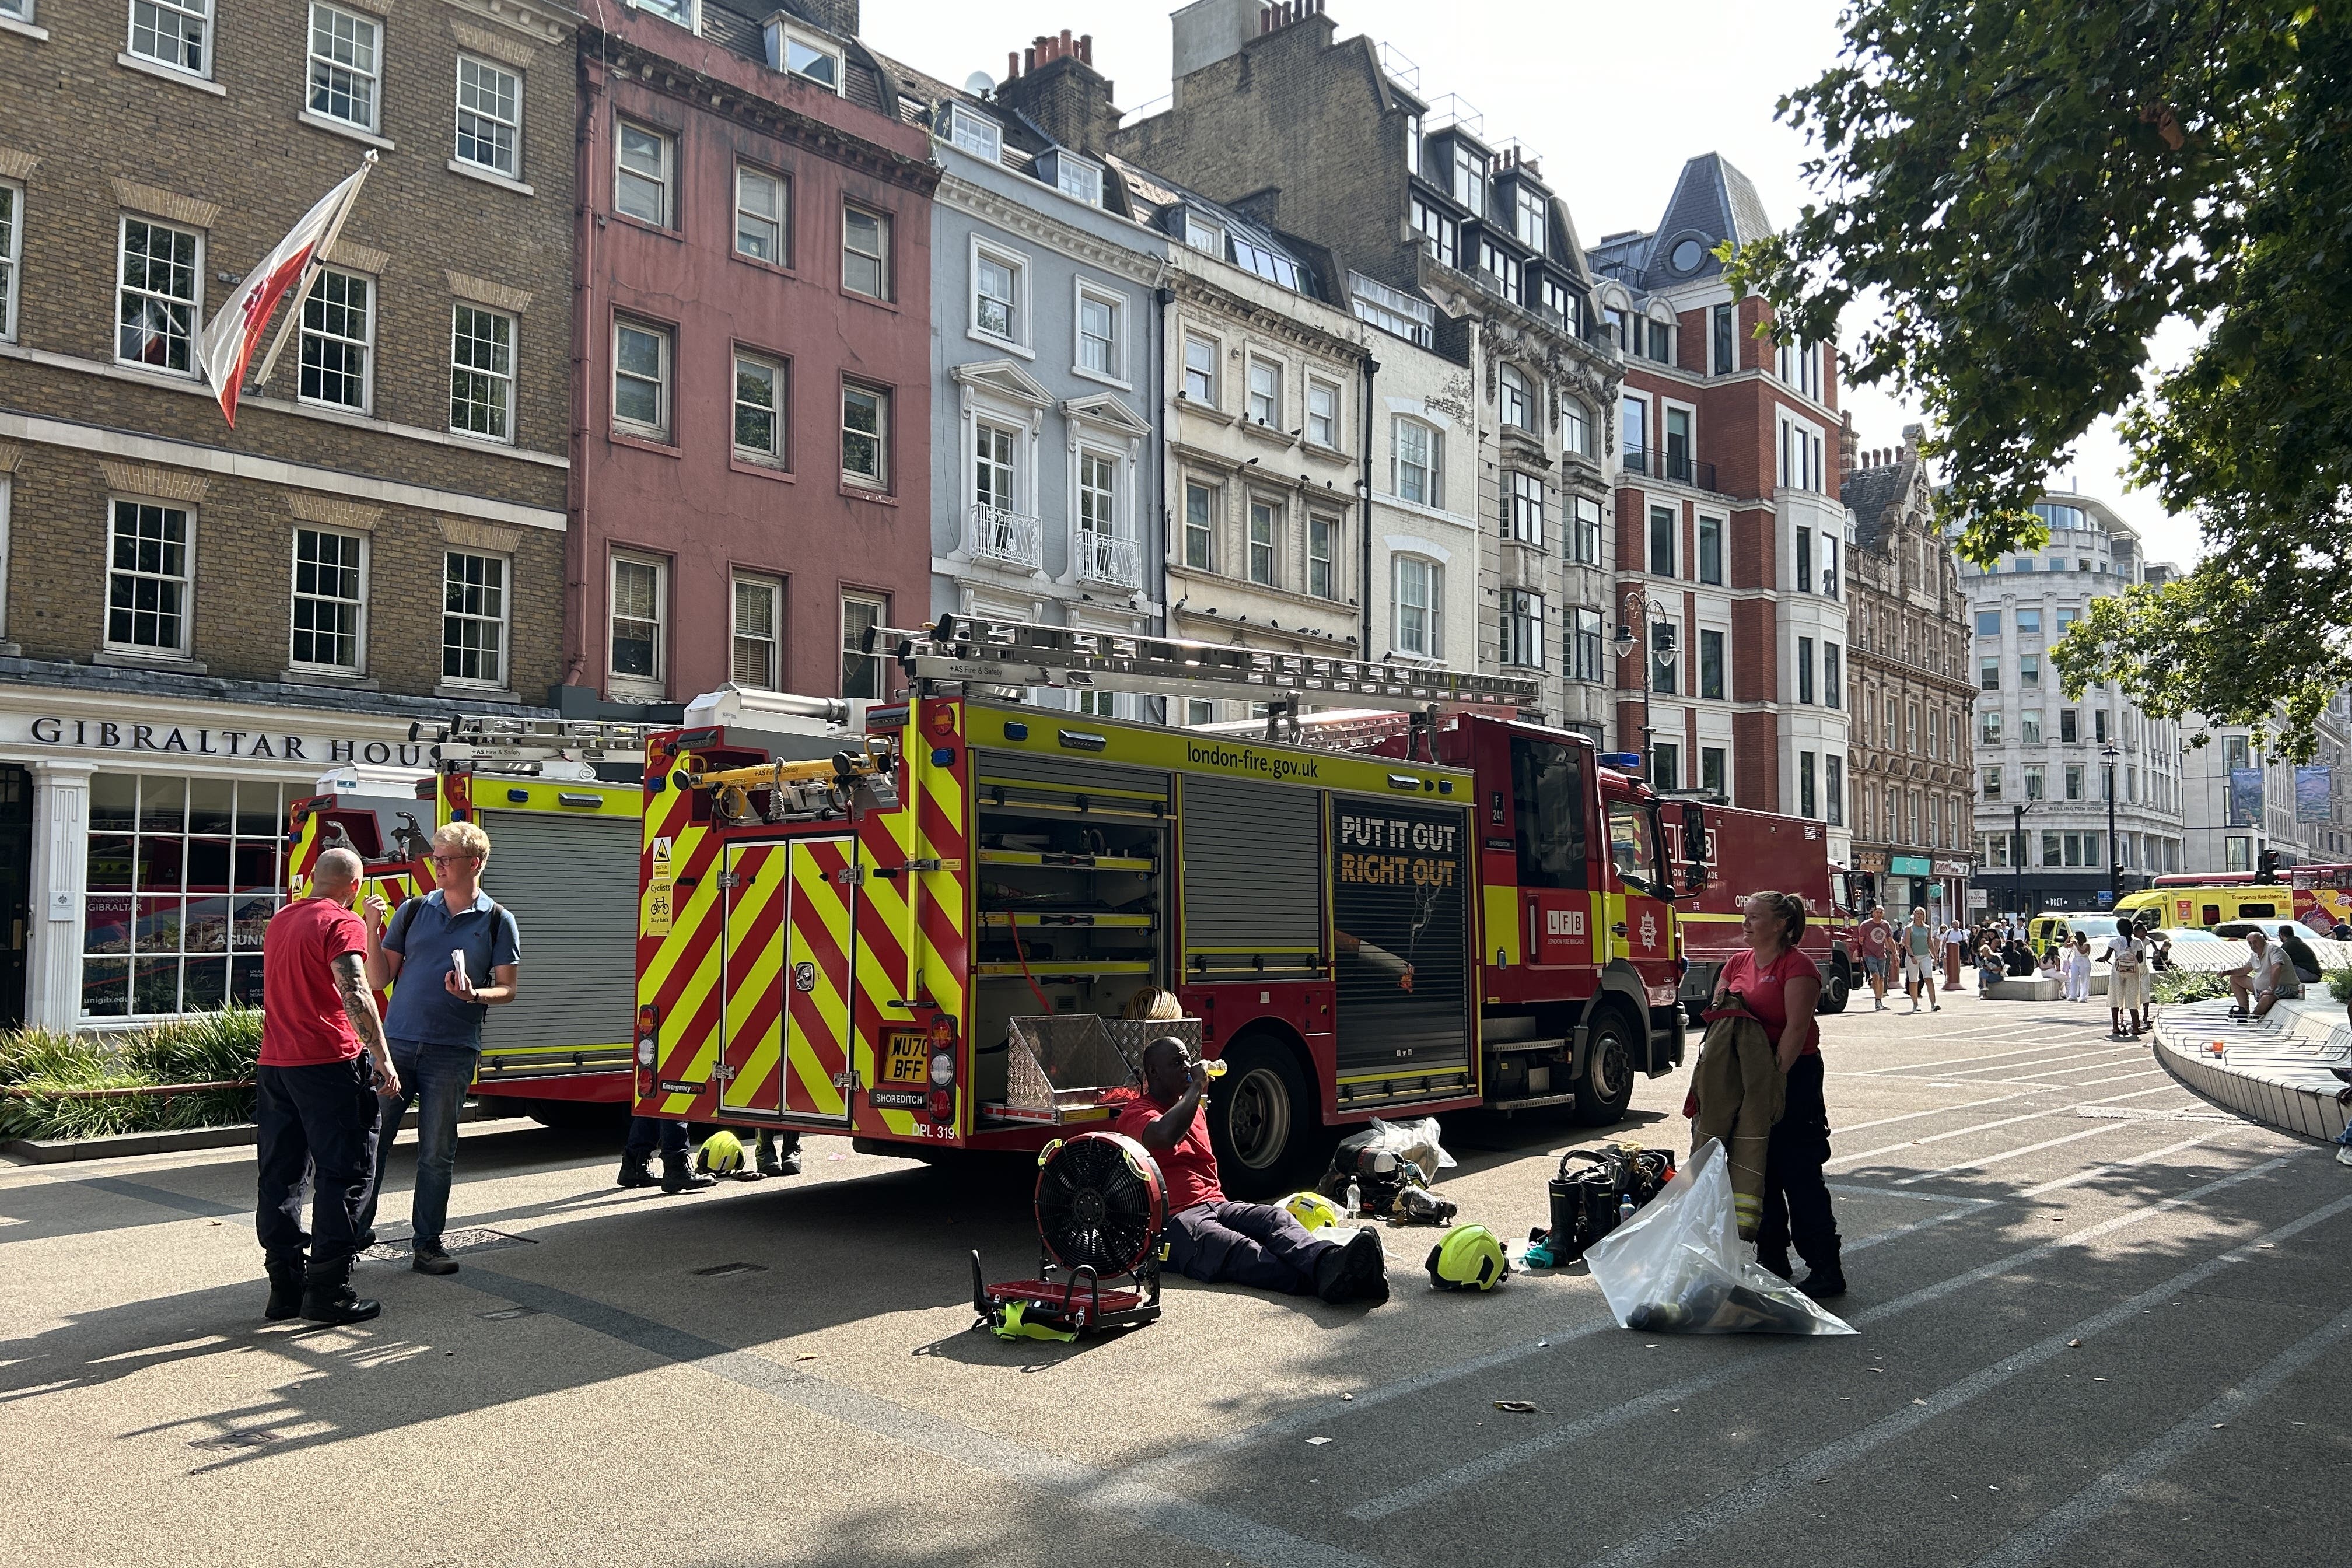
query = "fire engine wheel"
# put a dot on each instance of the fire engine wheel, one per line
(1605, 1087)
(1837, 987)
(1259, 1119)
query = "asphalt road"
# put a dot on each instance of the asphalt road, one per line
(2008, 1180)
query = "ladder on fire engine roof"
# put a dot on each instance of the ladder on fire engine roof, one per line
(979, 650)
(489, 739)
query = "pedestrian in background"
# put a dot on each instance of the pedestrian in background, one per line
(1921, 948)
(2128, 956)
(1875, 939)
(460, 954)
(2077, 968)
(323, 1061)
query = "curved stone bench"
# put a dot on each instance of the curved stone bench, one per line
(2274, 1070)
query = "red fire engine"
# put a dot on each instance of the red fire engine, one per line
(1478, 913)
(1750, 852)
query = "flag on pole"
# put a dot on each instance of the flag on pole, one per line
(229, 342)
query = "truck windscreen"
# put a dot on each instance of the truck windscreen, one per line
(1548, 811)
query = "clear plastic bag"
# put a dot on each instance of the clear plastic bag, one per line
(1677, 1267)
(1413, 1140)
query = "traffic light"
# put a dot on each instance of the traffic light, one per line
(2269, 868)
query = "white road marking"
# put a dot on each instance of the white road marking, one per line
(1478, 1471)
(2012, 1154)
(1973, 1056)
(2079, 1512)
(1988, 1126)
(2096, 1171)
(1672, 1538)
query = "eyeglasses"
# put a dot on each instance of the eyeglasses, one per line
(449, 859)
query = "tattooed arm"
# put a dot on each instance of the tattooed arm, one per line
(359, 1006)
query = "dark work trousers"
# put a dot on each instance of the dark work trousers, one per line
(645, 1131)
(315, 1130)
(1256, 1245)
(1796, 1198)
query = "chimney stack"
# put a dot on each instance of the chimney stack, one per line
(1053, 82)
(1847, 445)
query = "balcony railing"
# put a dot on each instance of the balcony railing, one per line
(1106, 558)
(1679, 467)
(1009, 537)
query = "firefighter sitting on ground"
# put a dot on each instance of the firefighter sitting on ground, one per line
(1212, 1239)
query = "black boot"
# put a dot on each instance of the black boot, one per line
(328, 1296)
(1355, 1270)
(679, 1177)
(1824, 1281)
(1775, 1262)
(285, 1289)
(780, 1155)
(635, 1173)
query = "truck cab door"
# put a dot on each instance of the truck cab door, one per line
(1640, 918)
(1556, 915)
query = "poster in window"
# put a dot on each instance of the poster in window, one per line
(1401, 889)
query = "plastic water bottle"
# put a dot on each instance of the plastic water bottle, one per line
(1624, 1208)
(1355, 1200)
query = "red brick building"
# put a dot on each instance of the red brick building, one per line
(1728, 519)
(750, 456)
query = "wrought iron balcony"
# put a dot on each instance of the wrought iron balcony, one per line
(1679, 467)
(1106, 558)
(1012, 538)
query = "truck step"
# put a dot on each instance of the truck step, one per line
(1529, 1103)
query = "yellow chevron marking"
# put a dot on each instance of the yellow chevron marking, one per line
(814, 893)
(753, 973)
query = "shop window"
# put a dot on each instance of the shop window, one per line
(182, 875)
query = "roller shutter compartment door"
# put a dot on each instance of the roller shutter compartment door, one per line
(1253, 878)
(1401, 920)
(572, 884)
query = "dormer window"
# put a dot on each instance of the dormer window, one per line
(804, 55)
(1270, 265)
(1470, 177)
(1202, 234)
(975, 133)
(1528, 210)
(1074, 175)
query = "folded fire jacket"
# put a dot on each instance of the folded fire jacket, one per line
(1741, 1091)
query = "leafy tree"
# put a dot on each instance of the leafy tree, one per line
(2029, 191)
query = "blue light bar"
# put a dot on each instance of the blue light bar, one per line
(1623, 762)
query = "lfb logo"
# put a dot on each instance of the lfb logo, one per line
(1649, 931)
(1563, 923)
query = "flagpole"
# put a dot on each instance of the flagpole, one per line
(310, 270)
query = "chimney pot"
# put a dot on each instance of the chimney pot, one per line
(1011, 64)
(1086, 48)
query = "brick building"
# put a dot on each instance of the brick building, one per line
(751, 472)
(1730, 534)
(1913, 791)
(1305, 134)
(200, 621)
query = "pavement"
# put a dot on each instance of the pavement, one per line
(2101, 1322)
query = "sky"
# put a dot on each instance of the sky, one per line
(1612, 110)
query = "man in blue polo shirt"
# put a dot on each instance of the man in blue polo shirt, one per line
(453, 952)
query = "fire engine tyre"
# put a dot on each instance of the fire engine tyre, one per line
(572, 1115)
(1837, 985)
(1260, 1121)
(1605, 1087)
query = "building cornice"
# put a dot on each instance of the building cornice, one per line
(971, 197)
(540, 22)
(1196, 288)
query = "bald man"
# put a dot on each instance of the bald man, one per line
(324, 1059)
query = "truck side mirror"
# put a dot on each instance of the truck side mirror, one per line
(1694, 846)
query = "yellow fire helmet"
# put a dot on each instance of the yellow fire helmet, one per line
(1468, 1257)
(722, 1154)
(1312, 1210)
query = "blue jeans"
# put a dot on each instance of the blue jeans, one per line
(435, 1079)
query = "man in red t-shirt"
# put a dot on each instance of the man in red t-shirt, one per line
(1212, 1239)
(315, 1095)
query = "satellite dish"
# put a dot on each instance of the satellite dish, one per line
(979, 84)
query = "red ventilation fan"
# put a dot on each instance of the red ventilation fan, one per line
(1100, 1209)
